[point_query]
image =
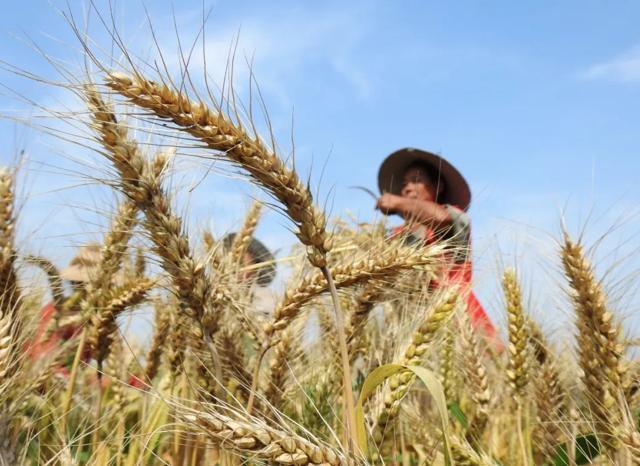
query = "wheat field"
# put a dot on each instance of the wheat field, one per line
(359, 361)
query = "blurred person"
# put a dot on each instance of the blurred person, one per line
(52, 331)
(258, 269)
(57, 327)
(432, 197)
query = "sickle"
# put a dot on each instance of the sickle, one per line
(366, 190)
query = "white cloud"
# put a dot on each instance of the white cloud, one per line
(624, 68)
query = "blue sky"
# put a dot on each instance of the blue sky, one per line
(535, 102)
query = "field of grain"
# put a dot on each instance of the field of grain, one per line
(360, 361)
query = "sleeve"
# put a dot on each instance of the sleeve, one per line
(459, 233)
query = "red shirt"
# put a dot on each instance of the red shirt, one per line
(458, 271)
(47, 342)
(44, 343)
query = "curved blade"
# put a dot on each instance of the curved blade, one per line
(366, 190)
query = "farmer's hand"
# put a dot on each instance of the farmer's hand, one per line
(389, 203)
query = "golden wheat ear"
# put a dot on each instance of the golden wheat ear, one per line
(254, 438)
(11, 320)
(101, 281)
(156, 347)
(141, 183)
(421, 340)
(600, 347)
(518, 372)
(220, 134)
(476, 380)
(53, 277)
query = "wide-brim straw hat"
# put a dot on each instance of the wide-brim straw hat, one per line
(260, 254)
(84, 264)
(456, 189)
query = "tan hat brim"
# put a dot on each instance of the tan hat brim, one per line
(75, 273)
(79, 273)
(391, 171)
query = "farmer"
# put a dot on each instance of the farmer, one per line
(433, 198)
(49, 336)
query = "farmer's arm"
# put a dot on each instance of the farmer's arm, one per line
(417, 210)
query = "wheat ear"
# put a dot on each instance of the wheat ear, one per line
(278, 371)
(222, 135)
(233, 359)
(476, 379)
(599, 345)
(447, 373)
(262, 442)
(518, 371)
(464, 455)
(113, 251)
(365, 301)
(142, 185)
(550, 406)
(9, 291)
(53, 276)
(421, 340)
(156, 348)
(105, 324)
(7, 355)
(10, 319)
(244, 236)
(377, 266)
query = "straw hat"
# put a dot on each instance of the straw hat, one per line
(84, 264)
(259, 254)
(456, 190)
